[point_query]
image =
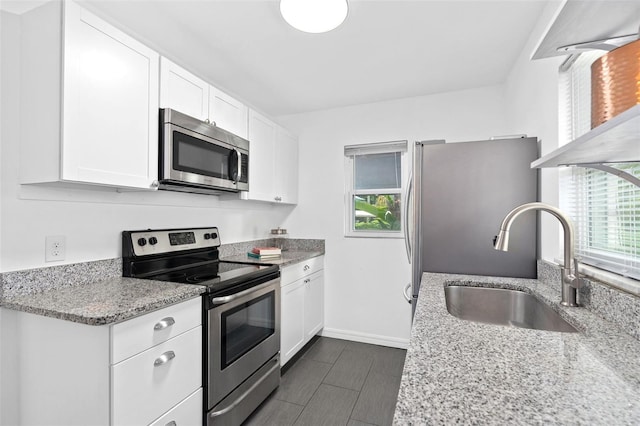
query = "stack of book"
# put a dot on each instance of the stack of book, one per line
(265, 253)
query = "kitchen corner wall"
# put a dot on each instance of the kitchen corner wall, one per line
(531, 91)
(365, 277)
(92, 219)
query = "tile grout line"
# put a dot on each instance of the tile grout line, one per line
(359, 394)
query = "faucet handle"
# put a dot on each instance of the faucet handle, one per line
(576, 281)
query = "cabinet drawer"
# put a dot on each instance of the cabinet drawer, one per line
(186, 413)
(296, 271)
(141, 333)
(146, 385)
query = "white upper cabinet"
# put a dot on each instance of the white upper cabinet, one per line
(228, 113)
(183, 91)
(101, 124)
(273, 162)
(262, 142)
(286, 166)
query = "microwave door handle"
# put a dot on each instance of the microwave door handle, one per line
(239, 165)
(234, 170)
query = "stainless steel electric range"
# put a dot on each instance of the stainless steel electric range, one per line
(241, 315)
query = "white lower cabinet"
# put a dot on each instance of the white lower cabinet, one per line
(78, 374)
(302, 305)
(144, 386)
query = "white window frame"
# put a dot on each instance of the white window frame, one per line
(350, 151)
(575, 114)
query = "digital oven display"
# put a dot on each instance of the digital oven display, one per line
(181, 238)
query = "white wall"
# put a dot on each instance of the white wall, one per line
(9, 106)
(365, 277)
(92, 220)
(531, 91)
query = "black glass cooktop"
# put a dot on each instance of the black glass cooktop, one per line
(216, 276)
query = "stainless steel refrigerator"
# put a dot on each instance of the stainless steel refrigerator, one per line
(457, 198)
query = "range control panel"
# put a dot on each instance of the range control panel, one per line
(171, 240)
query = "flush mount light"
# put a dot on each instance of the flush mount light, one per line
(314, 16)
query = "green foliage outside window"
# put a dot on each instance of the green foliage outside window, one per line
(377, 212)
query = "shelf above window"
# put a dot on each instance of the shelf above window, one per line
(616, 141)
(584, 21)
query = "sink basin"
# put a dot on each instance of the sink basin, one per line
(504, 307)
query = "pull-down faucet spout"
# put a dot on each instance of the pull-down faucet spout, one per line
(571, 281)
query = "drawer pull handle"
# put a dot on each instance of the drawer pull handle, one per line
(164, 323)
(306, 268)
(164, 358)
(172, 423)
(307, 281)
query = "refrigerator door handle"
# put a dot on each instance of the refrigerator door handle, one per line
(406, 295)
(407, 235)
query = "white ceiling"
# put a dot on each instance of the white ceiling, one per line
(384, 49)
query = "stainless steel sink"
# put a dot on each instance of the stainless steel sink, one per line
(504, 307)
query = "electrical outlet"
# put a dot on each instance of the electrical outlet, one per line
(54, 248)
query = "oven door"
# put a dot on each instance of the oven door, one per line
(243, 334)
(196, 159)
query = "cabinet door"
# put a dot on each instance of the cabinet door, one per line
(148, 384)
(228, 113)
(183, 91)
(286, 169)
(262, 139)
(110, 97)
(313, 304)
(292, 334)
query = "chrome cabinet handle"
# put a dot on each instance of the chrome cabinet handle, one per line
(307, 281)
(406, 295)
(164, 358)
(306, 268)
(164, 323)
(155, 184)
(278, 198)
(172, 423)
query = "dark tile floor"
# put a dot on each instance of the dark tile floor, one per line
(336, 382)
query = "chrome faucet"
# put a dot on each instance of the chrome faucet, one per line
(571, 280)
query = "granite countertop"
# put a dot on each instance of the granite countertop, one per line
(458, 371)
(289, 257)
(103, 302)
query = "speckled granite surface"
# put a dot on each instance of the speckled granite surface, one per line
(103, 302)
(32, 281)
(461, 372)
(617, 306)
(287, 258)
(290, 244)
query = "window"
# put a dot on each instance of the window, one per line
(374, 200)
(605, 208)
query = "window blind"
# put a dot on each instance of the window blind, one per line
(605, 209)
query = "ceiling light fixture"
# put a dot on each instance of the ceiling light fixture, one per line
(314, 16)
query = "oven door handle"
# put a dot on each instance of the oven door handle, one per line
(235, 403)
(231, 297)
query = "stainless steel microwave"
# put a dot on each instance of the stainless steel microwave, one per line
(195, 156)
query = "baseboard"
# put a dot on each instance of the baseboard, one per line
(374, 339)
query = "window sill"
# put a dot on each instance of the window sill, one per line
(365, 234)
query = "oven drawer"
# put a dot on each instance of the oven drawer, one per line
(296, 271)
(145, 385)
(138, 334)
(187, 412)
